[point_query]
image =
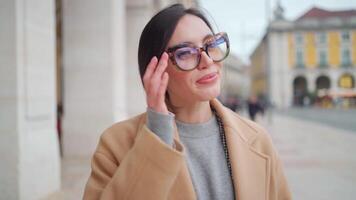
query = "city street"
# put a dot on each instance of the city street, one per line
(339, 118)
(319, 159)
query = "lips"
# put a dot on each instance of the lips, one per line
(209, 78)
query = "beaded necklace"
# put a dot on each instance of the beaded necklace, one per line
(226, 152)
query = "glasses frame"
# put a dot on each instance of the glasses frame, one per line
(171, 51)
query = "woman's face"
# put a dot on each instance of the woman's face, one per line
(202, 83)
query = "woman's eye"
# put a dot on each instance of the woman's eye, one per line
(216, 42)
(184, 53)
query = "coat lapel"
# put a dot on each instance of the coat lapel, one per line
(250, 168)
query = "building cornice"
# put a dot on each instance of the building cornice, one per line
(312, 25)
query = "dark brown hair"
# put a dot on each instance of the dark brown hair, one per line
(159, 30)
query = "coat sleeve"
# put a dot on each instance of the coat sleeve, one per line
(147, 171)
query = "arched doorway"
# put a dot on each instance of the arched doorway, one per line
(323, 98)
(346, 81)
(299, 90)
(347, 96)
(322, 82)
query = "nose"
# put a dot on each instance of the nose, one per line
(205, 61)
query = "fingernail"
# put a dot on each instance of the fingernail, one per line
(153, 58)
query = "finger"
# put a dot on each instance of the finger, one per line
(150, 69)
(156, 78)
(162, 64)
(163, 88)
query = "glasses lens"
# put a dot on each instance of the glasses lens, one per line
(186, 58)
(218, 48)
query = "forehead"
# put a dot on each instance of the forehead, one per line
(190, 28)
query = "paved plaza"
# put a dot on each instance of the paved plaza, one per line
(319, 160)
(338, 118)
(75, 172)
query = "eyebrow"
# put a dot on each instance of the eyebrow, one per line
(208, 36)
(187, 44)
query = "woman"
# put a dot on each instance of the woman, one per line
(187, 145)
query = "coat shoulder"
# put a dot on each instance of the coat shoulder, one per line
(123, 128)
(259, 129)
(118, 139)
(258, 137)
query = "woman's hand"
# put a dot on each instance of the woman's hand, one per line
(155, 81)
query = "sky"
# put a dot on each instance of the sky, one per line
(245, 20)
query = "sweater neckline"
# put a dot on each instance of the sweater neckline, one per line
(198, 130)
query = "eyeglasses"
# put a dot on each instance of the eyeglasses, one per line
(187, 56)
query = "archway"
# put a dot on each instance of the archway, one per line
(346, 81)
(322, 82)
(299, 90)
(323, 98)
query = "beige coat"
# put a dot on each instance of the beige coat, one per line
(131, 162)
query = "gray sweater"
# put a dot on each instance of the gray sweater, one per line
(205, 153)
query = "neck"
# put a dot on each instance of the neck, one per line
(194, 113)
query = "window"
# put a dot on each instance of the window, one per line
(300, 58)
(345, 36)
(323, 58)
(299, 39)
(346, 57)
(321, 38)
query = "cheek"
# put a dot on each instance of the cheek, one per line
(177, 79)
(219, 65)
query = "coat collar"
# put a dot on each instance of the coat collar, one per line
(231, 120)
(250, 168)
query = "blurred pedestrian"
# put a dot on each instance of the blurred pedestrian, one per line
(232, 103)
(254, 107)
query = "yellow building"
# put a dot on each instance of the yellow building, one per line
(311, 60)
(258, 70)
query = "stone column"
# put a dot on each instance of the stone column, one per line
(311, 79)
(94, 62)
(334, 78)
(276, 73)
(138, 13)
(29, 150)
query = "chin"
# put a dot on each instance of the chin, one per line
(209, 94)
